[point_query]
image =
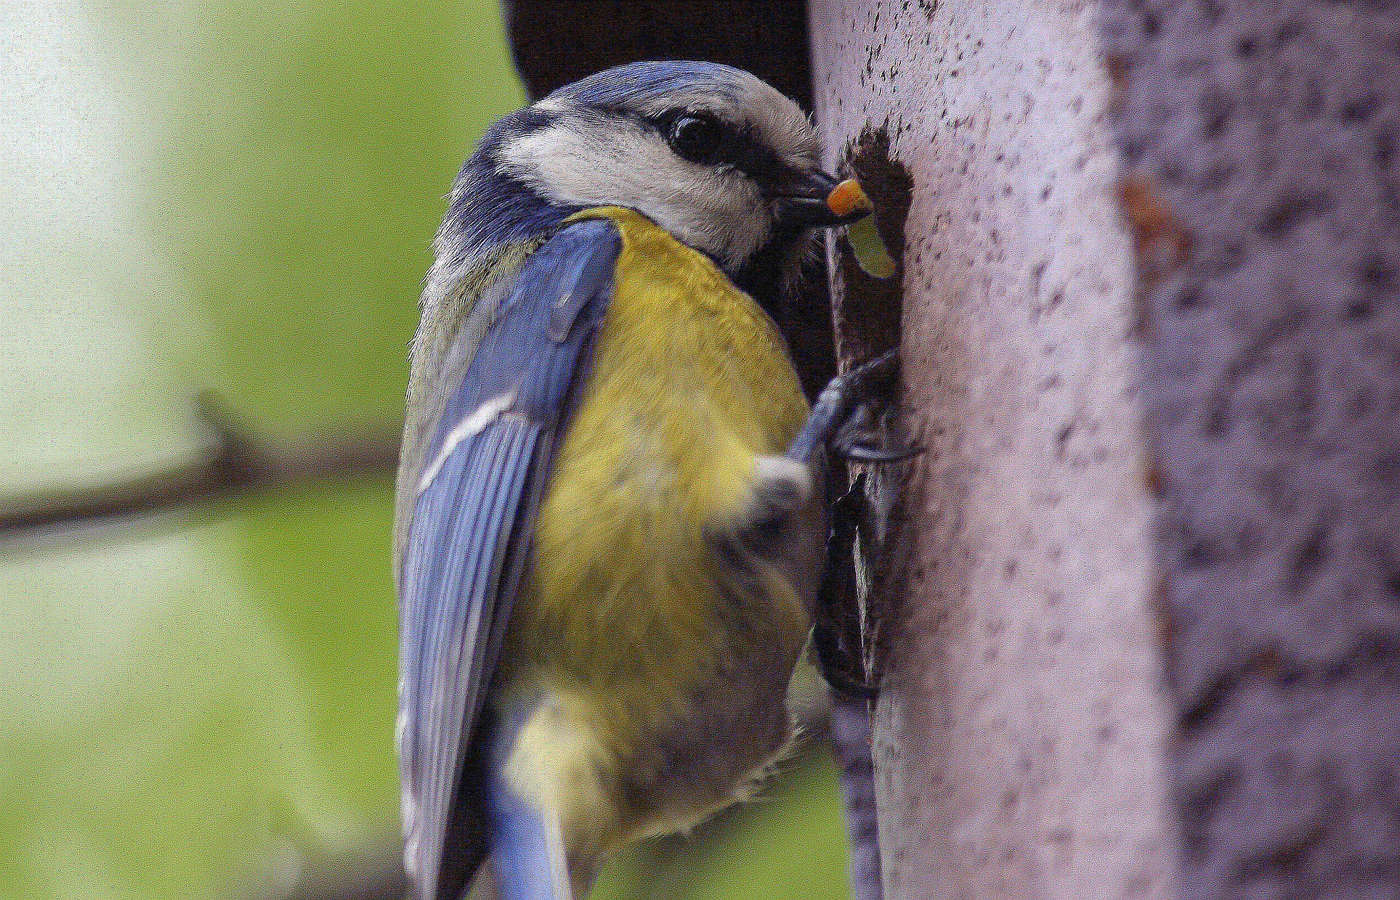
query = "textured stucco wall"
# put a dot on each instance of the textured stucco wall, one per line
(1019, 738)
(1263, 142)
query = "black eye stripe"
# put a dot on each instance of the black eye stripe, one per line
(759, 161)
(738, 147)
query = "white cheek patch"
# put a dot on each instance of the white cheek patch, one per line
(591, 157)
(595, 161)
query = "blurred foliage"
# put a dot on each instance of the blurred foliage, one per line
(240, 196)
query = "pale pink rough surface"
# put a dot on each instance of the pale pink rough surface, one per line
(1020, 736)
(1270, 131)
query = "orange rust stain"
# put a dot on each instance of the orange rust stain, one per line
(1152, 478)
(1160, 239)
(1268, 663)
(1117, 67)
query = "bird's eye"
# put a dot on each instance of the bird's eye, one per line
(696, 138)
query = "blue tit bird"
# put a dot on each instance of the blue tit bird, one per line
(609, 526)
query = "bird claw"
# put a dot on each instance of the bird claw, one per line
(878, 455)
(841, 418)
(862, 380)
(856, 440)
(840, 682)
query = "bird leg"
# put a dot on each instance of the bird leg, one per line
(841, 664)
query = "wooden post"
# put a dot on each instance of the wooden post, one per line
(1263, 188)
(1019, 741)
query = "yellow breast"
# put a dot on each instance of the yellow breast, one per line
(690, 382)
(623, 641)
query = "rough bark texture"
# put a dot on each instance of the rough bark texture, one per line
(1019, 737)
(1262, 139)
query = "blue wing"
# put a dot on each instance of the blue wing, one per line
(469, 537)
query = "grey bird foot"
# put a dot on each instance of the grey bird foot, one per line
(841, 418)
(857, 440)
(843, 423)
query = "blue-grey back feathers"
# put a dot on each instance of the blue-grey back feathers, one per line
(470, 535)
(489, 209)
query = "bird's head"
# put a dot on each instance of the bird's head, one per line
(721, 160)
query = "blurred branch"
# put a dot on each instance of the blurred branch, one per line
(850, 745)
(376, 875)
(235, 463)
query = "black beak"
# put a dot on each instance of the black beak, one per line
(817, 200)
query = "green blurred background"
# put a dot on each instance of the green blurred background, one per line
(238, 197)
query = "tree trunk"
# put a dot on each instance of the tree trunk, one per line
(1020, 734)
(1261, 140)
